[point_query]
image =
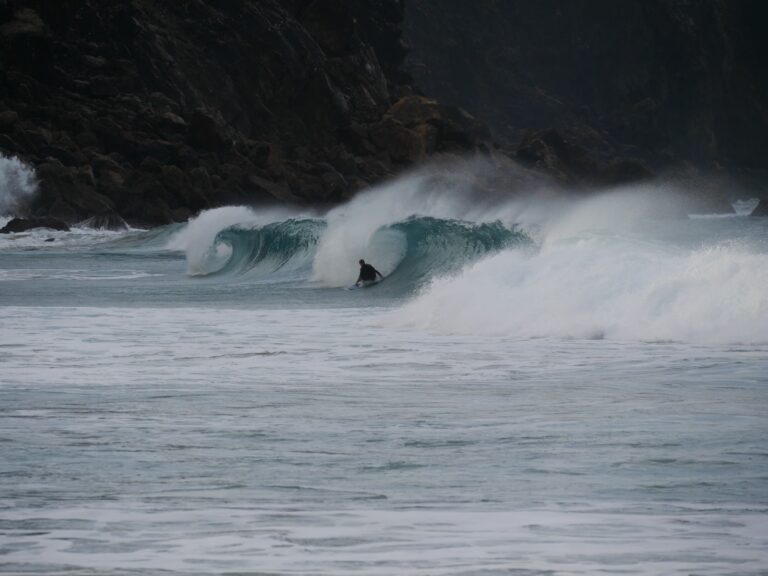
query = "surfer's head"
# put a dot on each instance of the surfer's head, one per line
(361, 262)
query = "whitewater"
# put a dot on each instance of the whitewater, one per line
(546, 383)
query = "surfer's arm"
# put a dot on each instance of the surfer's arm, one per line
(379, 273)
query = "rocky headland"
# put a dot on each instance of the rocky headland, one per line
(150, 111)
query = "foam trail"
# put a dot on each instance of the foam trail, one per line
(18, 185)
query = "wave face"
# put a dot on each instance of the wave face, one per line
(409, 253)
(278, 251)
(434, 247)
(413, 229)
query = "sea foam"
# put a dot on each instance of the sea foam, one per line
(608, 267)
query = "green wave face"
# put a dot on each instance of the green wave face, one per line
(423, 247)
(281, 251)
(437, 247)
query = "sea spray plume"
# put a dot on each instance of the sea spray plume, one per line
(18, 186)
(427, 223)
(608, 267)
(198, 238)
(432, 191)
(351, 227)
(590, 290)
(631, 208)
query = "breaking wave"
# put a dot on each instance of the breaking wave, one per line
(595, 289)
(409, 252)
(628, 264)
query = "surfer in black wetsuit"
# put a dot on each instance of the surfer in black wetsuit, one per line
(367, 273)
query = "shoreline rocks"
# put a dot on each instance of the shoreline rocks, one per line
(23, 224)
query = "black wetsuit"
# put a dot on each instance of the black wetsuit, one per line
(368, 273)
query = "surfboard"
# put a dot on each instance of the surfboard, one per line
(364, 284)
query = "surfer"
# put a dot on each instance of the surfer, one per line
(367, 273)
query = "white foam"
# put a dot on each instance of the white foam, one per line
(602, 287)
(387, 542)
(38, 238)
(37, 274)
(18, 185)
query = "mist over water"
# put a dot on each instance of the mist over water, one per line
(18, 186)
(544, 383)
(622, 265)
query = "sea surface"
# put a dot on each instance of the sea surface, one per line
(540, 386)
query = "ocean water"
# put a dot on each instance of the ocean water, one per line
(541, 386)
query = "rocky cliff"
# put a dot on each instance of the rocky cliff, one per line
(667, 82)
(155, 109)
(152, 110)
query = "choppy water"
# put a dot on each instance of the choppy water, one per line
(539, 387)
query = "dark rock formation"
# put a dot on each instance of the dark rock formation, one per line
(155, 110)
(661, 81)
(761, 209)
(24, 224)
(152, 111)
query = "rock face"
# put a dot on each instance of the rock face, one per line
(761, 209)
(23, 224)
(149, 112)
(152, 111)
(659, 81)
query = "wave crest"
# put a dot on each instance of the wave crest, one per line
(411, 251)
